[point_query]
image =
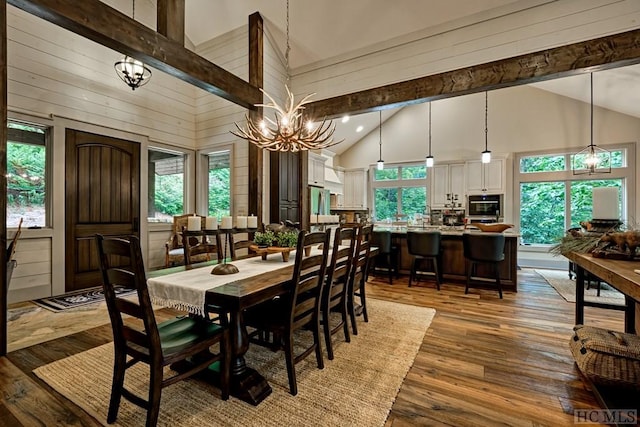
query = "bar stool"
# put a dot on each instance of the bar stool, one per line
(485, 248)
(424, 245)
(387, 253)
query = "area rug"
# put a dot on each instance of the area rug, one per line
(357, 388)
(559, 280)
(79, 298)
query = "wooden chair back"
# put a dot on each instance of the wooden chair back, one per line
(202, 242)
(236, 245)
(184, 339)
(358, 275)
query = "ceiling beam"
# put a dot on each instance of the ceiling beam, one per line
(170, 20)
(592, 55)
(105, 25)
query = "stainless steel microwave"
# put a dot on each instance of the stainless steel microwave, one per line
(485, 205)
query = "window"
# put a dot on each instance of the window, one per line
(219, 180)
(552, 199)
(26, 174)
(399, 190)
(166, 185)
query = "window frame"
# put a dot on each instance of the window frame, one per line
(47, 126)
(626, 173)
(399, 183)
(188, 155)
(203, 176)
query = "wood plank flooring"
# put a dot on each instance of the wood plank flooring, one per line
(483, 362)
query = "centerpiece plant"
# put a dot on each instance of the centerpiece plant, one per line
(286, 239)
(264, 239)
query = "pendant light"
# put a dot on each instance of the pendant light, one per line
(380, 161)
(592, 159)
(287, 131)
(486, 154)
(429, 160)
(131, 71)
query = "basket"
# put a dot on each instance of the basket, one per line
(607, 357)
(492, 228)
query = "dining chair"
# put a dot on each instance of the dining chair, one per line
(298, 309)
(201, 242)
(483, 248)
(156, 344)
(174, 250)
(236, 245)
(336, 291)
(358, 276)
(425, 246)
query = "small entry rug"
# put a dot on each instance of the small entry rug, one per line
(559, 280)
(78, 298)
(356, 388)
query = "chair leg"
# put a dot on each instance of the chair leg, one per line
(469, 268)
(363, 301)
(345, 321)
(291, 370)
(495, 266)
(318, 343)
(390, 269)
(413, 270)
(155, 393)
(436, 272)
(327, 331)
(352, 314)
(116, 386)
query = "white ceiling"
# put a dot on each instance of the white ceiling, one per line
(328, 30)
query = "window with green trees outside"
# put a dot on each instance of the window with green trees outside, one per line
(553, 200)
(166, 185)
(219, 185)
(399, 190)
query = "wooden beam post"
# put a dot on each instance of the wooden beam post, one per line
(170, 19)
(256, 78)
(592, 55)
(97, 21)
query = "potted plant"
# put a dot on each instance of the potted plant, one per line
(286, 239)
(264, 239)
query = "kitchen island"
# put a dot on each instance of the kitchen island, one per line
(453, 262)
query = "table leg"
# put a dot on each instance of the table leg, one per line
(579, 318)
(630, 315)
(246, 383)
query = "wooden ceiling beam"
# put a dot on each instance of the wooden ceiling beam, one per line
(170, 20)
(592, 55)
(105, 25)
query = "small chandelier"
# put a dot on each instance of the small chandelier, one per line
(131, 71)
(380, 161)
(429, 159)
(486, 154)
(287, 131)
(592, 159)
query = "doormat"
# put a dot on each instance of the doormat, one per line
(79, 298)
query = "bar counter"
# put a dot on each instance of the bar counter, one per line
(453, 263)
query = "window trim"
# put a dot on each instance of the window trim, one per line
(627, 173)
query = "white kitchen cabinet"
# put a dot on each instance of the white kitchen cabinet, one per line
(485, 177)
(355, 188)
(316, 170)
(447, 178)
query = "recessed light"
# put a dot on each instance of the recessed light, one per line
(345, 119)
(359, 128)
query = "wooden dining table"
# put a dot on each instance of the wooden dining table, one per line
(257, 281)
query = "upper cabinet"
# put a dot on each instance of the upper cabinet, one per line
(445, 179)
(486, 177)
(316, 170)
(355, 188)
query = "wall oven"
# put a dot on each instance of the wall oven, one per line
(485, 207)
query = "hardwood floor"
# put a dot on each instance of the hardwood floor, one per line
(484, 361)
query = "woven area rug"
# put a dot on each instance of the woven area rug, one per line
(77, 299)
(357, 388)
(559, 280)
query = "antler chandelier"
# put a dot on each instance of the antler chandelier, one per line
(287, 131)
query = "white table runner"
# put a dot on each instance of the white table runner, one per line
(186, 290)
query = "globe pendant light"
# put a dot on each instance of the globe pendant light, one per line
(429, 159)
(486, 154)
(380, 161)
(592, 159)
(133, 72)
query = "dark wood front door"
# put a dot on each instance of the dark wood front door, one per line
(102, 196)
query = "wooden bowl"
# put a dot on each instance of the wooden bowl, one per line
(492, 228)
